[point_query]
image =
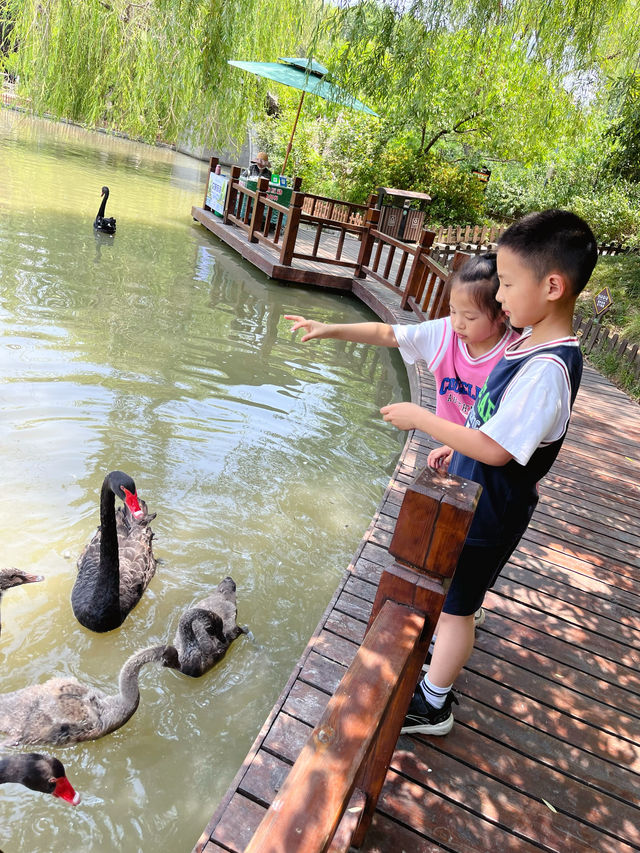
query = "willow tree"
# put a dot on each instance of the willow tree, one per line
(157, 68)
(484, 70)
(154, 69)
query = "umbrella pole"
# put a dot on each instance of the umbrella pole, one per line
(295, 124)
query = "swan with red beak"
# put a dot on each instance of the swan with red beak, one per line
(117, 565)
(39, 773)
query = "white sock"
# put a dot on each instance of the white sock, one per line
(433, 694)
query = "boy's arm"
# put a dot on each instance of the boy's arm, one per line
(379, 334)
(470, 442)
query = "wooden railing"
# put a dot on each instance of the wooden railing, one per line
(594, 337)
(425, 289)
(333, 209)
(323, 214)
(482, 235)
(405, 268)
(474, 239)
(253, 210)
(328, 799)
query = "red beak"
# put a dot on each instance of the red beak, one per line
(131, 500)
(65, 791)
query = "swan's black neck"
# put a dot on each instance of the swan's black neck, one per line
(211, 623)
(109, 557)
(103, 205)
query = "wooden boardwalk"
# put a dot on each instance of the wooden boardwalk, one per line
(544, 754)
(301, 271)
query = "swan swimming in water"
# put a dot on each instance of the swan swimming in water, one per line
(62, 710)
(15, 577)
(206, 630)
(107, 224)
(39, 773)
(117, 565)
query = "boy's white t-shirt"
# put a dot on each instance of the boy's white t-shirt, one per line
(536, 406)
(459, 376)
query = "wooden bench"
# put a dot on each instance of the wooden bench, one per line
(327, 801)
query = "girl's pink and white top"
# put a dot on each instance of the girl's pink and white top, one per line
(459, 377)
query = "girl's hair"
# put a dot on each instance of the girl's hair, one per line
(480, 277)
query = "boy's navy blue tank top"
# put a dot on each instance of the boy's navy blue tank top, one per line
(509, 493)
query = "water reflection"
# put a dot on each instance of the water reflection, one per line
(159, 352)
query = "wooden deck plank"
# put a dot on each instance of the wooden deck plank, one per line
(471, 773)
(550, 699)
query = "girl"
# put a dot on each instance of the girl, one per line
(460, 350)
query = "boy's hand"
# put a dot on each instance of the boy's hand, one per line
(313, 328)
(439, 458)
(401, 415)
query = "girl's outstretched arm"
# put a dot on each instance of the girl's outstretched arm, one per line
(379, 334)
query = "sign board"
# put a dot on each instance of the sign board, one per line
(602, 301)
(482, 175)
(217, 192)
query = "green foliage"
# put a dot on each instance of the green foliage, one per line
(155, 70)
(624, 159)
(573, 177)
(348, 157)
(618, 371)
(621, 274)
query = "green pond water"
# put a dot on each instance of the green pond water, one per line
(159, 352)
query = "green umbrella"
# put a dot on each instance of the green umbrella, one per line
(306, 75)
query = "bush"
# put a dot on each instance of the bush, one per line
(612, 209)
(347, 157)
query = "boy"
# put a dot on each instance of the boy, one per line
(513, 433)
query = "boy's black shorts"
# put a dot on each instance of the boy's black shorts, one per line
(477, 571)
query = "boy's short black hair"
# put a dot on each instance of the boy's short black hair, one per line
(554, 240)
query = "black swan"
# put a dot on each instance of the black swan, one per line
(107, 224)
(15, 577)
(206, 630)
(40, 773)
(62, 710)
(116, 566)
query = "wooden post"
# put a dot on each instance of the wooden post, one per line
(371, 220)
(424, 243)
(291, 229)
(441, 309)
(258, 209)
(213, 162)
(232, 194)
(432, 526)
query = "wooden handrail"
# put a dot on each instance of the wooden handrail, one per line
(306, 811)
(346, 757)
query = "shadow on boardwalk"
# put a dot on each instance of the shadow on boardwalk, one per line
(544, 754)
